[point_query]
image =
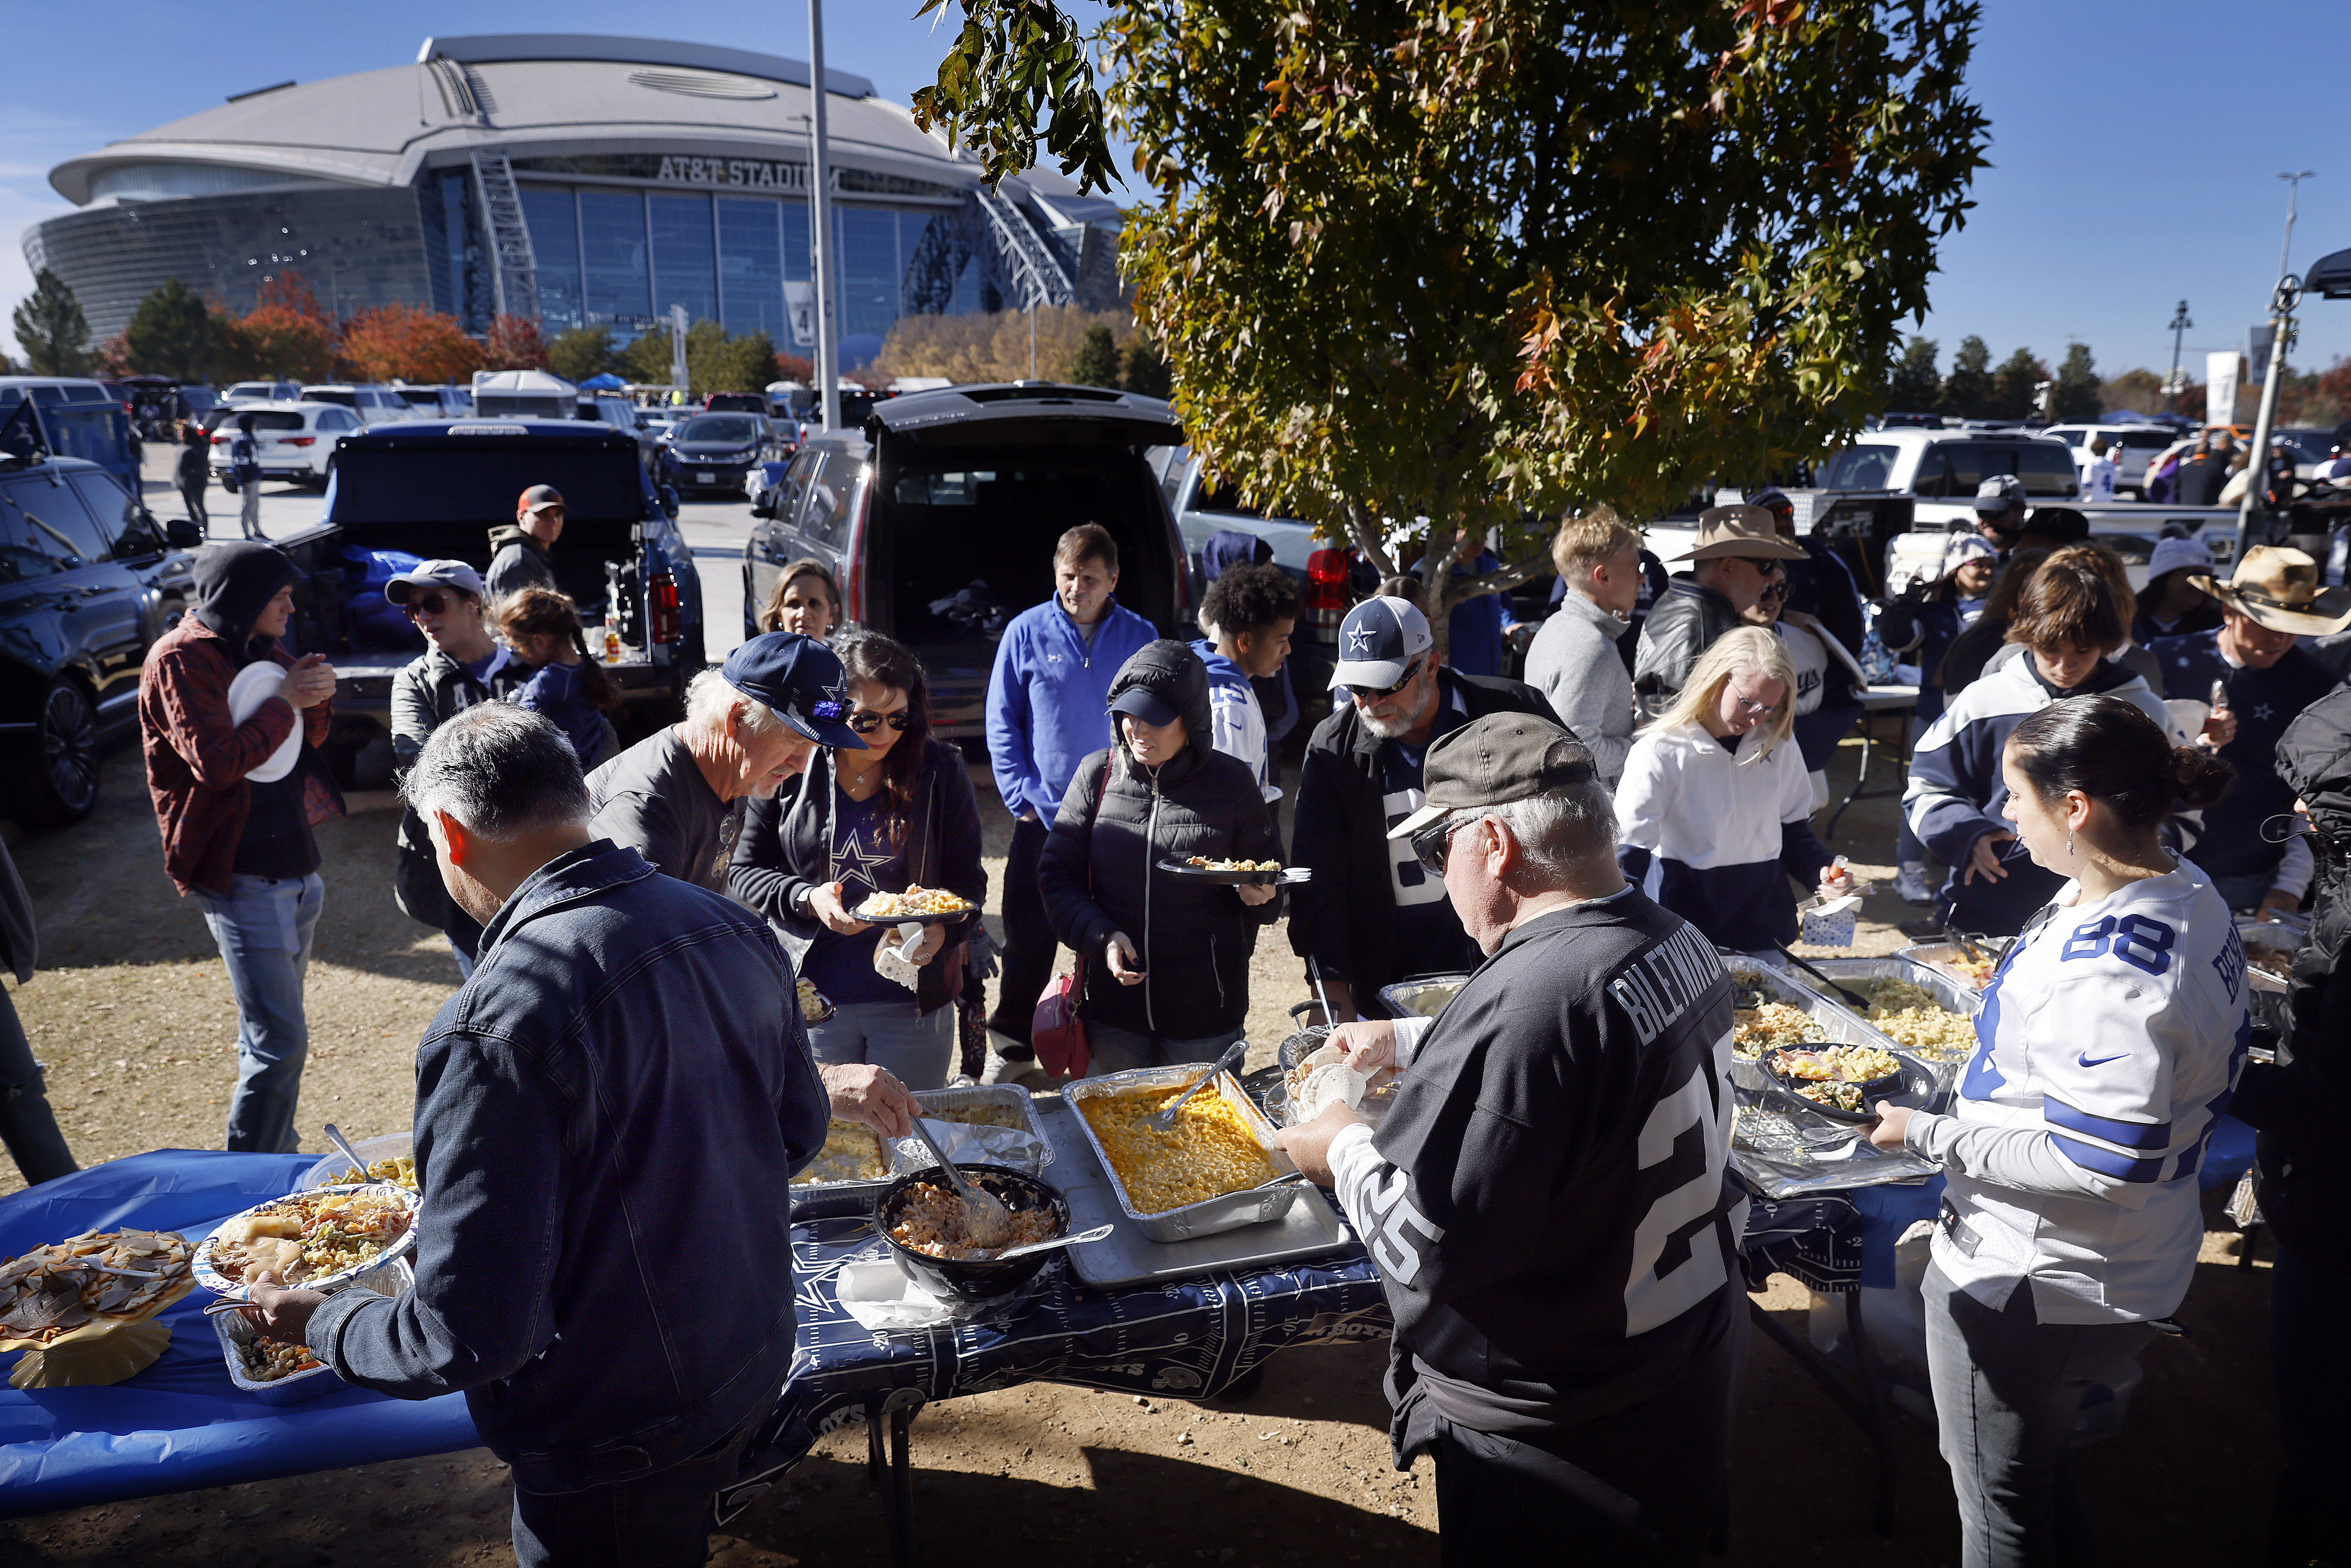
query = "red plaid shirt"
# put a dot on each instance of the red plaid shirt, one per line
(197, 758)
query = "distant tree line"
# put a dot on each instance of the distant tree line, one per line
(1975, 389)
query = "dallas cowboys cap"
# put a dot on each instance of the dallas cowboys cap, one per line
(800, 680)
(1379, 638)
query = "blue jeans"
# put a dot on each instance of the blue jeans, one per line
(264, 928)
(916, 1047)
(659, 1520)
(1123, 1050)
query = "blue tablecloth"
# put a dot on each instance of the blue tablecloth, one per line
(181, 1425)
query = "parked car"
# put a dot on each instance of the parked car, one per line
(434, 401)
(79, 418)
(716, 452)
(940, 527)
(88, 583)
(617, 413)
(2132, 447)
(1204, 506)
(735, 402)
(261, 392)
(292, 440)
(435, 489)
(373, 405)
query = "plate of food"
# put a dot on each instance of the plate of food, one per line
(1841, 1081)
(319, 1239)
(915, 903)
(814, 1007)
(94, 1280)
(1234, 873)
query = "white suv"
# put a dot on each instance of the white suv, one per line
(2132, 447)
(375, 405)
(293, 440)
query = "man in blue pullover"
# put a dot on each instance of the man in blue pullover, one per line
(1047, 710)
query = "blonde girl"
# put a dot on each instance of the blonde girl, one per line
(1714, 813)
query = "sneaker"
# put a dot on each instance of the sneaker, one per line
(1008, 1062)
(1910, 884)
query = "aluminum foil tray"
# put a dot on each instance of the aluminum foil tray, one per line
(1954, 996)
(1935, 955)
(1229, 1211)
(1837, 1021)
(2277, 937)
(1423, 996)
(908, 1153)
(386, 1279)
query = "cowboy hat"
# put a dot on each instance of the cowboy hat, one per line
(1748, 531)
(2279, 590)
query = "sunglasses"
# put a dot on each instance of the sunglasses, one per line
(1373, 694)
(1434, 843)
(867, 722)
(430, 603)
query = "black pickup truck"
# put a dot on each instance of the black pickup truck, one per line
(434, 490)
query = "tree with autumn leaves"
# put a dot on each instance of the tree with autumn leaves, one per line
(1419, 268)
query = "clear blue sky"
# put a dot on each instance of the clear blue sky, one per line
(2134, 145)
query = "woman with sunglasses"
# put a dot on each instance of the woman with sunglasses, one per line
(462, 664)
(1714, 813)
(899, 813)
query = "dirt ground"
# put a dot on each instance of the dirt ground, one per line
(131, 1014)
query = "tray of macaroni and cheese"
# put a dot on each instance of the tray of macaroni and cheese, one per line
(1925, 1011)
(1201, 1176)
(1312, 1227)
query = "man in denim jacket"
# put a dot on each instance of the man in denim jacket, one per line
(606, 1118)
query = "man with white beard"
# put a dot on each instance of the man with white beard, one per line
(1371, 915)
(676, 797)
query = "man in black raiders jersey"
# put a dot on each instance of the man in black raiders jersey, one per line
(1546, 1200)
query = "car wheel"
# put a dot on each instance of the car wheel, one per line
(57, 773)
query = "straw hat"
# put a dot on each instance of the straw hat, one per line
(2279, 589)
(1748, 531)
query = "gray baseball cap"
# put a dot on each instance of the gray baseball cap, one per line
(1493, 760)
(1999, 493)
(453, 574)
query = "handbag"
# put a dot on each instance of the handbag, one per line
(1056, 1028)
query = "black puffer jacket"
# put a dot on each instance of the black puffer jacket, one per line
(2302, 1164)
(1101, 871)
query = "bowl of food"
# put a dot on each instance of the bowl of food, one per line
(320, 1238)
(1843, 1081)
(391, 1156)
(923, 1223)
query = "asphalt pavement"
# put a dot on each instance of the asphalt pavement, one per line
(714, 530)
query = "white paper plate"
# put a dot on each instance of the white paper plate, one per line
(255, 685)
(212, 1279)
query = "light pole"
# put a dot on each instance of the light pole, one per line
(2293, 189)
(2257, 461)
(2180, 324)
(828, 348)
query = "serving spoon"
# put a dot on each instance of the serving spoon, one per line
(1231, 1059)
(335, 1137)
(991, 1222)
(1077, 1240)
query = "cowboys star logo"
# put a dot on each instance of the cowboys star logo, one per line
(1359, 641)
(859, 861)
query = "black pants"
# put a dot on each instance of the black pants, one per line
(659, 1520)
(27, 1127)
(192, 497)
(1030, 948)
(2312, 1375)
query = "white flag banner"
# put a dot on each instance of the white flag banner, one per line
(2220, 387)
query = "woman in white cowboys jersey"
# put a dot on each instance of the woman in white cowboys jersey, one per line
(2109, 1043)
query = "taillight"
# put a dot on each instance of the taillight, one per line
(1326, 588)
(219, 440)
(299, 440)
(662, 622)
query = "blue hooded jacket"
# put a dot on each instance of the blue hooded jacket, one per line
(1049, 700)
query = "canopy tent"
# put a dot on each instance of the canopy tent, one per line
(603, 380)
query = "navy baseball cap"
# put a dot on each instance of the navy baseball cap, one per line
(1999, 493)
(1145, 705)
(800, 680)
(1378, 639)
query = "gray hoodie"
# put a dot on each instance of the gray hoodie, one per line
(1575, 663)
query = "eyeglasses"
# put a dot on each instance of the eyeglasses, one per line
(1373, 694)
(1750, 706)
(1434, 843)
(430, 603)
(867, 722)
